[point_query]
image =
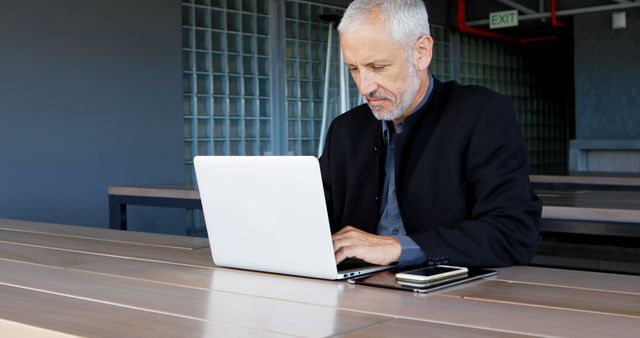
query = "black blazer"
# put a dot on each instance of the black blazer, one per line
(462, 177)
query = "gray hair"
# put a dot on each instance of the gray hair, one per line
(407, 19)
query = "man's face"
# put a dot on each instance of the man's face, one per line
(382, 70)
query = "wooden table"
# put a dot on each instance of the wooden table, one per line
(58, 280)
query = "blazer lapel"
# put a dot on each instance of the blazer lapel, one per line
(418, 129)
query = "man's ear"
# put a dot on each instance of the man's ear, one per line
(422, 52)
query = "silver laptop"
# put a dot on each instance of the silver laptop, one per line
(268, 213)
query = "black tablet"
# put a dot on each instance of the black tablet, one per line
(387, 279)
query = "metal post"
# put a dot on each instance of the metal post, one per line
(344, 91)
(325, 97)
(277, 81)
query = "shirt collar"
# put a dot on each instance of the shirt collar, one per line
(385, 127)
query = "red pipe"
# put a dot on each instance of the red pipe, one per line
(463, 28)
(554, 15)
(525, 41)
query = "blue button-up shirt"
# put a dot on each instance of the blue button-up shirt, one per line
(390, 223)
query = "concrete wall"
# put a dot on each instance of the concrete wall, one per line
(607, 73)
(90, 96)
(607, 77)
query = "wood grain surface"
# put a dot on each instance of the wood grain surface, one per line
(75, 283)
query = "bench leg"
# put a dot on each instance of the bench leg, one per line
(117, 214)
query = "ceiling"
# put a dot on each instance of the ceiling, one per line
(477, 12)
(535, 16)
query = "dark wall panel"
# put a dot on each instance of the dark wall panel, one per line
(607, 77)
(89, 97)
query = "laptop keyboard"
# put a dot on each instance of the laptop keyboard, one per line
(353, 263)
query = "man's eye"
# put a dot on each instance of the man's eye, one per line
(378, 67)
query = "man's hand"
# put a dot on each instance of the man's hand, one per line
(352, 242)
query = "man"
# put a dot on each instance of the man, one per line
(425, 171)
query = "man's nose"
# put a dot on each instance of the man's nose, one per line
(367, 84)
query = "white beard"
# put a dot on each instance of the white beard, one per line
(407, 94)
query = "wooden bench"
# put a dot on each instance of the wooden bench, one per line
(570, 207)
(168, 196)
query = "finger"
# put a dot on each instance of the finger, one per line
(348, 252)
(349, 239)
(351, 233)
(342, 236)
(342, 242)
(340, 256)
(346, 229)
